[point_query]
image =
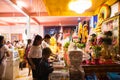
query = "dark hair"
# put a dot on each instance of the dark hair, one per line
(36, 39)
(47, 36)
(46, 51)
(1, 40)
(29, 41)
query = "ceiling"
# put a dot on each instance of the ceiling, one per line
(44, 12)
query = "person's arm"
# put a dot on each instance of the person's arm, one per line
(7, 51)
(31, 63)
(44, 69)
(8, 54)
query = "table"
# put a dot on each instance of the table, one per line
(100, 70)
(59, 74)
(60, 71)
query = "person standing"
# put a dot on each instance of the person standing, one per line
(35, 54)
(46, 41)
(4, 52)
(27, 50)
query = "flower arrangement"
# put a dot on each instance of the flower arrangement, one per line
(66, 45)
(81, 45)
(103, 43)
(95, 45)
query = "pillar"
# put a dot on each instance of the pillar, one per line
(28, 27)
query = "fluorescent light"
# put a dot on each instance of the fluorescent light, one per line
(80, 6)
(20, 3)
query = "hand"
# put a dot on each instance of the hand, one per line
(51, 69)
(33, 67)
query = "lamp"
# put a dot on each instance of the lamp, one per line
(80, 6)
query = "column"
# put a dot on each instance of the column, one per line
(28, 27)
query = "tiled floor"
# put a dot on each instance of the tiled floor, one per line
(23, 75)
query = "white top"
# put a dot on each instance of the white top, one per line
(3, 50)
(44, 44)
(35, 52)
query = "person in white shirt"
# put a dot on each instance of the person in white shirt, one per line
(35, 54)
(4, 52)
(46, 41)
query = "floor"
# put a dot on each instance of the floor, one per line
(23, 75)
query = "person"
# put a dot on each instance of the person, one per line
(46, 41)
(27, 49)
(35, 54)
(21, 43)
(44, 68)
(4, 52)
(9, 45)
(16, 44)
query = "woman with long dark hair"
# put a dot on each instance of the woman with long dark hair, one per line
(27, 50)
(35, 55)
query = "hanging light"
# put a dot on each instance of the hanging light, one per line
(80, 6)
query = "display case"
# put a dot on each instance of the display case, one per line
(12, 68)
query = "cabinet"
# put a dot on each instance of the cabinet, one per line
(100, 70)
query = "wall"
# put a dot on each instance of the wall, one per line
(114, 8)
(20, 29)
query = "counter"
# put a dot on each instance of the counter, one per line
(60, 74)
(60, 71)
(12, 68)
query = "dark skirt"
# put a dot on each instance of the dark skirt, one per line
(34, 72)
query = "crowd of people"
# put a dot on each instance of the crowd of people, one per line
(37, 57)
(36, 54)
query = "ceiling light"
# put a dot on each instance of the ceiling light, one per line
(20, 4)
(80, 6)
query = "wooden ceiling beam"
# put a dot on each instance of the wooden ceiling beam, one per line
(58, 23)
(11, 14)
(36, 21)
(22, 10)
(39, 14)
(18, 14)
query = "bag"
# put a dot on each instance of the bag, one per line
(22, 64)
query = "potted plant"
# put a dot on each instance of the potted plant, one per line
(66, 46)
(96, 47)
